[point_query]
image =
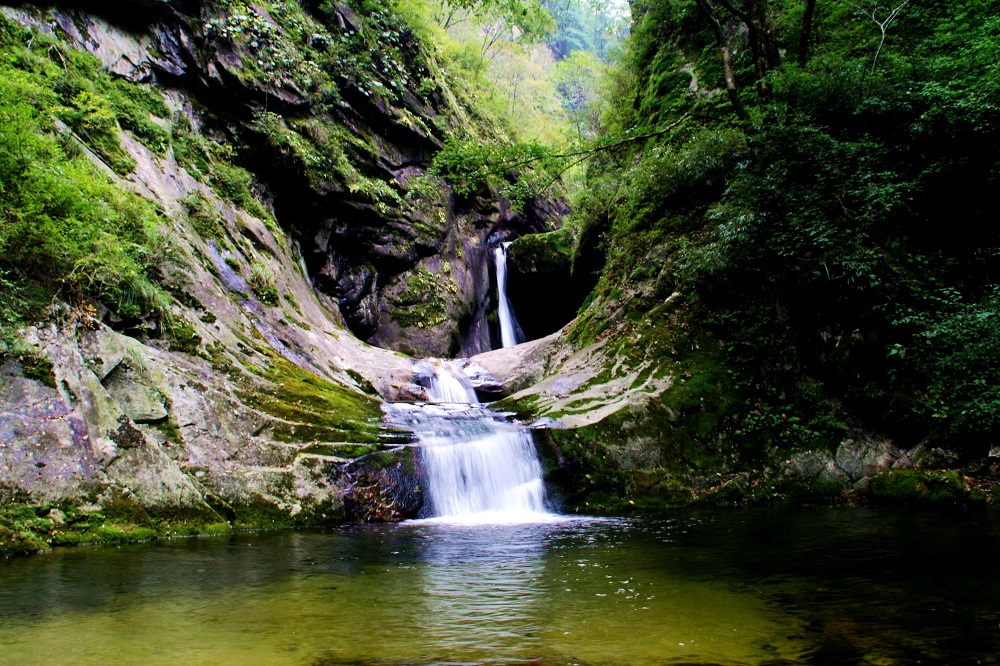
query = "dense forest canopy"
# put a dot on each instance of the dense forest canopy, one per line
(829, 195)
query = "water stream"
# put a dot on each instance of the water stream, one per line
(478, 466)
(492, 576)
(510, 330)
(830, 586)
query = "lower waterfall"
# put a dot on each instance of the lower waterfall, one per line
(478, 467)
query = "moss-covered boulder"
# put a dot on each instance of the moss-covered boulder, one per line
(920, 487)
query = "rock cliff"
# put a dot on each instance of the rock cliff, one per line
(287, 158)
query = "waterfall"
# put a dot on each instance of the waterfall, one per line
(510, 331)
(478, 467)
(445, 382)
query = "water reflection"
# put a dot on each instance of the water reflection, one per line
(482, 588)
(817, 586)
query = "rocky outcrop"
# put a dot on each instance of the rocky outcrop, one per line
(256, 416)
(340, 137)
(254, 401)
(249, 405)
(631, 412)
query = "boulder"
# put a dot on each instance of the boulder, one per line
(860, 457)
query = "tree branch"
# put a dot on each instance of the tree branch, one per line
(741, 15)
(596, 149)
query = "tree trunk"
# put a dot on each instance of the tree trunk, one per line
(763, 46)
(806, 33)
(732, 89)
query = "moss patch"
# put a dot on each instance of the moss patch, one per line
(424, 300)
(339, 450)
(311, 408)
(260, 514)
(38, 367)
(27, 529)
(919, 487)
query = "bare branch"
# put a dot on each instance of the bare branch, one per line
(883, 25)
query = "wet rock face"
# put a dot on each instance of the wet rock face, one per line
(381, 494)
(355, 288)
(338, 160)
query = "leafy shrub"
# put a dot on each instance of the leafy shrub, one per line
(261, 280)
(836, 248)
(68, 232)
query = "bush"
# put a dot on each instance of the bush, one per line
(68, 233)
(261, 280)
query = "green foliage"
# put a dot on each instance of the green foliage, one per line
(135, 107)
(68, 233)
(494, 69)
(517, 171)
(319, 150)
(577, 79)
(183, 337)
(284, 45)
(12, 307)
(274, 57)
(835, 246)
(261, 281)
(525, 21)
(591, 26)
(72, 86)
(957, 345)
(212, 161)
(204, 218)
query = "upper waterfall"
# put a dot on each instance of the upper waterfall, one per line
(510, 330)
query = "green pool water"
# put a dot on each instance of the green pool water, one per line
(824, 586)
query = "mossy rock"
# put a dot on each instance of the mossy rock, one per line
(918, 487)
(38, 367)
(261, 514)
(27, 529)
(19, 542)
(311, 408)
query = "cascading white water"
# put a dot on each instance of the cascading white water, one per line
(476, 465)
(479, 468)
(510, 331)
(446, 382)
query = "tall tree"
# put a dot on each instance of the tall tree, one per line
(732, 88)
(806, 34)
(760, 35)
